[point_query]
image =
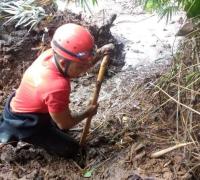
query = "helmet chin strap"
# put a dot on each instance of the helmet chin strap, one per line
(66, 66)
(67, 63)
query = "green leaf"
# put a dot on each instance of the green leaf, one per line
(88, 173)
(94, 2)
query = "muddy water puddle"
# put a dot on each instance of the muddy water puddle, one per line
(146, 40)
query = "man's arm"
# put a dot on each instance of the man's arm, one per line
(66, 120)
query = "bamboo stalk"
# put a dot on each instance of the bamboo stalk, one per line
(178, 107)
(191, 109)
(100, 78)
(164, 151)
(188, 89)
(168, 100)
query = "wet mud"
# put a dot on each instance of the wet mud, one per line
(122, 136)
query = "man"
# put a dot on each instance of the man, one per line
(38, 110)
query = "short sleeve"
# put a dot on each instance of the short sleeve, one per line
(57, 101)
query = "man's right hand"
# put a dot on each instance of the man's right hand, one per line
(108, 48)
(67, 120)
(92, 110)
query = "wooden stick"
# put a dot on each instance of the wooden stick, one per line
(100, 78)
(164, 151)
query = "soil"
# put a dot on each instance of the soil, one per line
(123, 134)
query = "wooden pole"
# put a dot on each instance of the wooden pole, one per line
(100, 78)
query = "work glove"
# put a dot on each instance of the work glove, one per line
(107, 49)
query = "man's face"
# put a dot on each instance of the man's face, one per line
(75, 69)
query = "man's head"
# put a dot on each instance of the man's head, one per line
(73, 46)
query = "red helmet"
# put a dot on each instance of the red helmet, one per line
(73, 42)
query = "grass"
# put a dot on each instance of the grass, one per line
(179, 92)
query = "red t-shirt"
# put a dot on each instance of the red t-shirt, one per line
(43, 88)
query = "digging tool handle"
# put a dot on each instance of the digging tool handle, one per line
(100, 78)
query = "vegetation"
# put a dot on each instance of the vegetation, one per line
(29, 13)
(179, 94)
(178, 90)
(23, 13)
(167, 8)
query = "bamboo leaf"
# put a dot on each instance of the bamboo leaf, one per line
(30, 22)
(10, 11)
(23, 12)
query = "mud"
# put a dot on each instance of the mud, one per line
(18, 49)
(122, 136)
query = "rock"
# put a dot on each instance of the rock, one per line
(181, 20)
(185, 29)
(32, 175)
(134, 177)
(8, 154)
(187, 176)
(168, 175)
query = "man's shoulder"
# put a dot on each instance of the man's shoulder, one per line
(57, 88)
(57, 84)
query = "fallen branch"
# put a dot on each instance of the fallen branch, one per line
(164, 151)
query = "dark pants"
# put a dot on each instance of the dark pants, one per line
(37, 129)
(55, 142)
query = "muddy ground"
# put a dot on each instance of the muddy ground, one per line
(123, 134)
